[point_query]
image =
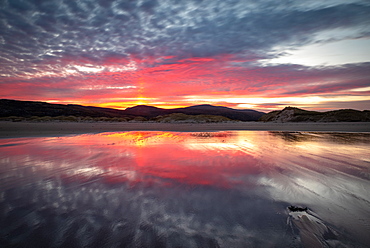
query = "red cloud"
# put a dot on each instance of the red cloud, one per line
(119, 81)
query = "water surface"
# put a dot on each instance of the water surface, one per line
(181, 189)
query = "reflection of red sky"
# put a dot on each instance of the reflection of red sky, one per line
(166, 156)
(194, 167)
(142, 157)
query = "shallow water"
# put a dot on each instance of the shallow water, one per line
(181, 189)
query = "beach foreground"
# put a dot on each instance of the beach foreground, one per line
(34, 129)
(186, 189)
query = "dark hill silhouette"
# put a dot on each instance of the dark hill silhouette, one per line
(32, 108)
(146, 111)
(235, 114)
(292, 114)
(205, 109)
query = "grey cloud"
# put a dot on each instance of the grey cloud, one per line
(34, 32)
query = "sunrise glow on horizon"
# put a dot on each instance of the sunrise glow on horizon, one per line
(242, 54)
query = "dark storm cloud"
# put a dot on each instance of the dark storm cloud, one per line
(37, 35)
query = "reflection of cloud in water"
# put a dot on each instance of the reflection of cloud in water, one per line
(189, 189)
(143, 215)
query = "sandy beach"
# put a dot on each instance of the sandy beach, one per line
(32, 129)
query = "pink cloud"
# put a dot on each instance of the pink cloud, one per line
(168, 80)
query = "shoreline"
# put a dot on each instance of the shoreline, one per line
(38, 129)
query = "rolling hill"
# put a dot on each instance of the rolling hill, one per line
(33, 108)
(291, 114)
(234, 114)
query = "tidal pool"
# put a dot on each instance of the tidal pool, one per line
(183, 189)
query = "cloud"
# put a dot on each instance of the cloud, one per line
(201, 78)
(34, 32)
(192, 46)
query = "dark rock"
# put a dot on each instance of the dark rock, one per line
(297, 209)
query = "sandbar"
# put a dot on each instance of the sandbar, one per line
(38, 129)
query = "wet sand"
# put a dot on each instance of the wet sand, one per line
(186, 189)
(32, 129)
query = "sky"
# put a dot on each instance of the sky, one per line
(244, 54)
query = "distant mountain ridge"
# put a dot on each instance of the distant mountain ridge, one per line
(33, 108)
(205, 109)
(292, 114)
